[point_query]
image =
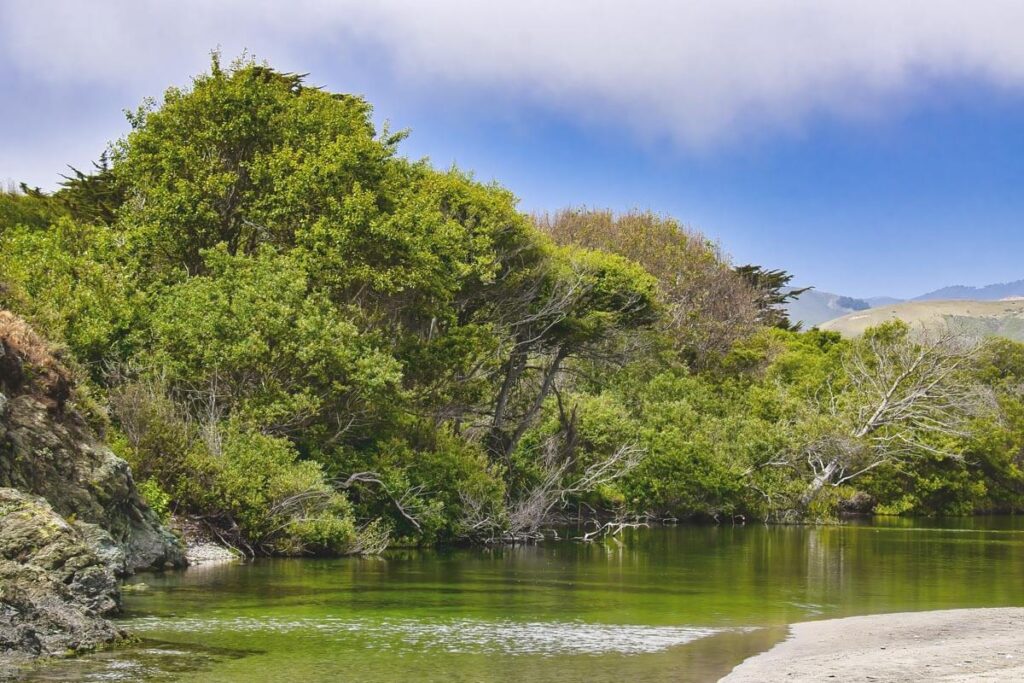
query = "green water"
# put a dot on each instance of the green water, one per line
(667, 604)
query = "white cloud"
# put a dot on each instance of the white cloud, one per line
(697, 72)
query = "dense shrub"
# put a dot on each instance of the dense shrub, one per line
(274, 501)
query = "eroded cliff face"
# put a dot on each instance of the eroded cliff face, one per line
(47, 449)
(71, 518)
(59, 459)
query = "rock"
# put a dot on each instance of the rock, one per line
(71, 519)
(46, 448)
(102, 544)
(209, 553)
(55, 589)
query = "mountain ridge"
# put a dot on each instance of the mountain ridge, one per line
(993, 292)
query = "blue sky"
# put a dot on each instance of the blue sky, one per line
(868, 151)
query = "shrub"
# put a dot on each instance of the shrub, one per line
(157, 499)
(277, 502)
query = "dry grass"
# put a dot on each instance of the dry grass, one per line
(28, 364)
(976, 318)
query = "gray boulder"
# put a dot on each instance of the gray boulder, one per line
(55, 589)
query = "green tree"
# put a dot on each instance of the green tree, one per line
(707, 305)
(251, 338)
(71, 283)
(773, 293)
(246, 156)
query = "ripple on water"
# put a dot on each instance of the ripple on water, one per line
(454, 636)
(152, 661)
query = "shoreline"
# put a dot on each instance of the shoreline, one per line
(985, 644)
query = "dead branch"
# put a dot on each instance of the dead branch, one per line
(405, 504)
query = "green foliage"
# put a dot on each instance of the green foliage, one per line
(773, 292)
(279, 503)
(989, 477)
(69, 282)
(433, 480)
(93, 197)
(298, 333)
(246, 156)
(153, 435)
(254, 337)
(707, 305)
(440, 237)
(699, 437)
(614, 294)
(29, 208)
(157, 499)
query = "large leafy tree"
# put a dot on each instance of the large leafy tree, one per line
(707, 305)
(246, 156)
(251, 337)
(326, 289)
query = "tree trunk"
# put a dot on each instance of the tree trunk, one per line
(820, 480)
(545, 389)
(515, 366)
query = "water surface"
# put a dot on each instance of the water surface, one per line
(667, 604)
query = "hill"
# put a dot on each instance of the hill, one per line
(814, 307)
(877, 301)
(986, 318)
(1003, 290)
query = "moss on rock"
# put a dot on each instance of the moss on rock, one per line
(56, 590)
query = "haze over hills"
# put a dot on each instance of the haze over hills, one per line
(877, 301)
(816, 307)
(994, 292)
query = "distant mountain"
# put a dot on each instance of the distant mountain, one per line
(1005, 290)
(814, 307)
(877, 301)
(982, 318)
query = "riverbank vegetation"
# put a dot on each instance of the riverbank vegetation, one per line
(310, 344)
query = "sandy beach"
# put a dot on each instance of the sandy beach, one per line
(949, 645)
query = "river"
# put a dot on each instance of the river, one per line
(682, 603)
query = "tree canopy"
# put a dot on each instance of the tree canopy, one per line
(314, 344)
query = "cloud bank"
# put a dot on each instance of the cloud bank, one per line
(694, 72)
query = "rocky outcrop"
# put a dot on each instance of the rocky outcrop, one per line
(60, 460)
(47, 449)
(71, 519)
(55, 588)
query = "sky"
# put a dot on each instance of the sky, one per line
(869, 148)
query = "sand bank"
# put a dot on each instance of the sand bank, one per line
(949, 645)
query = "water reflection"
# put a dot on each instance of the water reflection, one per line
(671, 604)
